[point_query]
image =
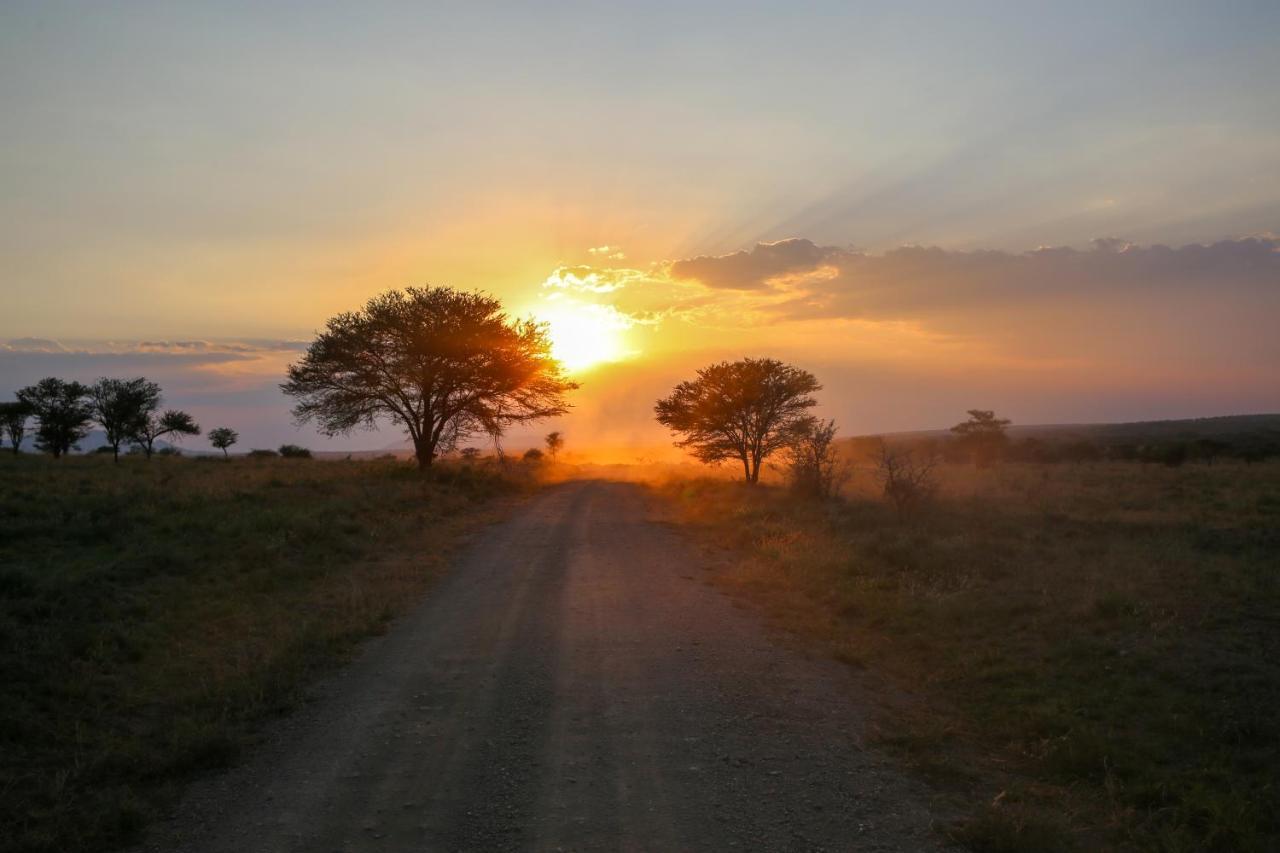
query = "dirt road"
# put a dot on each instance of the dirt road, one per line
(573, 684)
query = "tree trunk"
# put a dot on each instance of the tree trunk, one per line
(425, 453)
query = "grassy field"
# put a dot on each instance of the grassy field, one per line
(1076, 656)
(152, 613)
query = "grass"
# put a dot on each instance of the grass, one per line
(152, 613)
(1078, 656)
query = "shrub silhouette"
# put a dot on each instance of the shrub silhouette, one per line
(293, 451)
(908, 476)
(813, 466)
(533, 454)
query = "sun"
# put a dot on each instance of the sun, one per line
(583, 336)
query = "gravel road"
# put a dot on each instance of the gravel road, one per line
(572, 684)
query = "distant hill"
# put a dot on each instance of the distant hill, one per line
(1249, 437)
(1225, 428)
(97, 438)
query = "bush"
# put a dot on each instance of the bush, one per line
(909, 477)
(293, 451)
(813, 467)
(533, 454)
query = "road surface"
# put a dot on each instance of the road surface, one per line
(572, 684)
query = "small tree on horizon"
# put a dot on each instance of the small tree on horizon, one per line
(555, 442)
(442, 363)
(62, 413)
(121, 407)
(744, 410)
(13, 421)
(222, 438)
(172, 423)
(983, 436)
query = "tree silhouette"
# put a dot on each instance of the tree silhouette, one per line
(121, 408)
(62, 411)
(743, 410)
(441, 363)
(222, 438)
(172, 423)
(13, 420)
(555, 442)
(983, 435)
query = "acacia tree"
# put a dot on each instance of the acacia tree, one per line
(121, 407)
(222, 438)
(13, 420)
(62, 412)
(983, 435)
(442, 363)
(555, 442)
(744, 410)
(153, 427)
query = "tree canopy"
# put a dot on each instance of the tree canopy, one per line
(154, 426)
(744, 410)
(442, 363)
(121, 407)
(222, 438)
(63, 413)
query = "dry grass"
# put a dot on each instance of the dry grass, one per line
(1094, 648)
(151, 613)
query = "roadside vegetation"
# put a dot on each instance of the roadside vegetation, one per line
(1078, 656)
(152, 614)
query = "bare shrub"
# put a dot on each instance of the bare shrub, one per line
(814, 467)
(909, 476)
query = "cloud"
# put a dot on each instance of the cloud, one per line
(918, 282)
(43, 345)
(754, 269)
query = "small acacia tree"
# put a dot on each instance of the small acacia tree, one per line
(222, 438)
(121, 407)
(555, 443)
(13, 421)
(154, 427)
(744, 410)
(62, 411)
(441, 363)
(983, 436)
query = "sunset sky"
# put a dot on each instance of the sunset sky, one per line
(1066, 213)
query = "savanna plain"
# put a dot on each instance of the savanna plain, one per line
(1070, 655)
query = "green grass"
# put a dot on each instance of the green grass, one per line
(1095, 648)
(152, 613)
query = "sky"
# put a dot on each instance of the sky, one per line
(1066, 212)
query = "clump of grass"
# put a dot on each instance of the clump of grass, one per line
(152, 612)
(1105, 631)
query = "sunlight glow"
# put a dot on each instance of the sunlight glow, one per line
(583, 336)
